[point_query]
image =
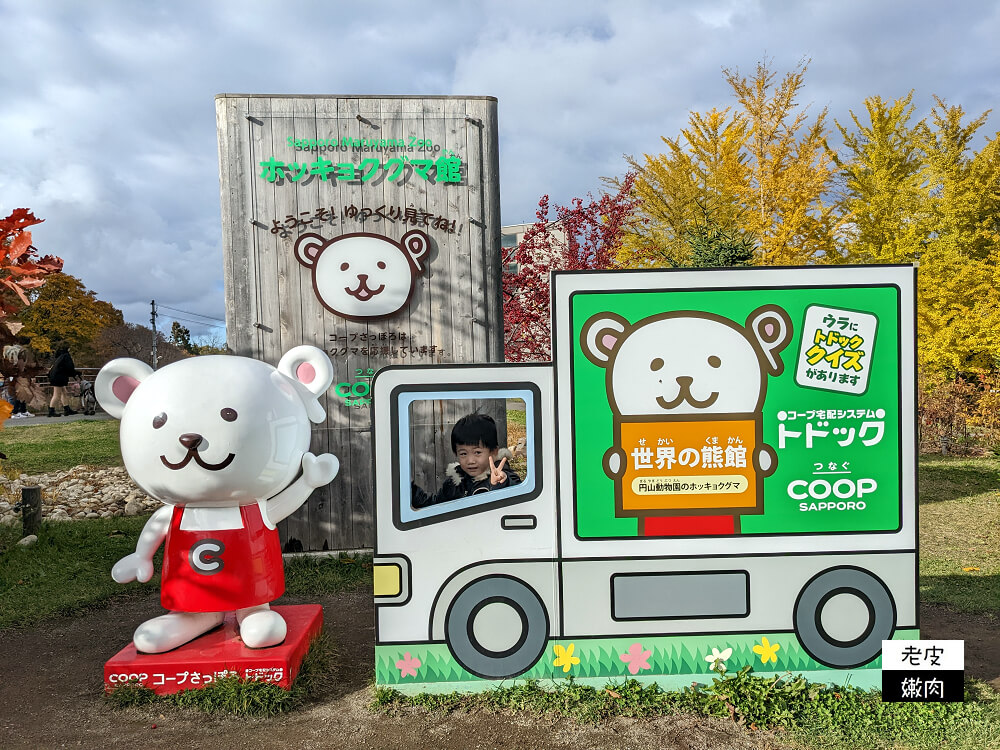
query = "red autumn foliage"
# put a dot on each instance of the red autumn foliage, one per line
(21, 268)
(581, 236)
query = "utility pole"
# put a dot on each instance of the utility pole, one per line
(152, 320)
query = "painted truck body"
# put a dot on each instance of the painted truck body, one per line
(822, 559)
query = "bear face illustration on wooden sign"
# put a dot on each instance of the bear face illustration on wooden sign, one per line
(360, 276)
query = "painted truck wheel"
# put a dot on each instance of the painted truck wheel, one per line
(851, 632)
(497, 627)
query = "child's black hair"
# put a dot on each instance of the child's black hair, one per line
(473, 429)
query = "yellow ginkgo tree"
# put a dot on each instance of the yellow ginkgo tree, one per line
(919, 192)
(760, 169)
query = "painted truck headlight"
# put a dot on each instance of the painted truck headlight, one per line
(388, 580)
(391, 577)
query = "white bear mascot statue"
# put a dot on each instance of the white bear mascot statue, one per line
(220, 440)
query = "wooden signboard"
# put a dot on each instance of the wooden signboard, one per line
(404, 188)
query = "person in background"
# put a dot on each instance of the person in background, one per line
(60, 373)
(474, 441)
(7, 399)
(21, 387)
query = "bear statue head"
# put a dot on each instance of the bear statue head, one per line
(215, 430)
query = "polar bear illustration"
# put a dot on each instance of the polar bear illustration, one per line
(361, 275)
(220, 441)
(688, 381)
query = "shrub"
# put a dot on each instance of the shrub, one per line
(959, 414)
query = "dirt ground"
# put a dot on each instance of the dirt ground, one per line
(51, 688)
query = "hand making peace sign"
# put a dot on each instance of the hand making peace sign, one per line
(497, 474)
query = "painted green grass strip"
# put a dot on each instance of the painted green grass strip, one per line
(615, 658)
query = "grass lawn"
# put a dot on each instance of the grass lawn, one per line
(53, 447)
(960, 533)
(67, 570)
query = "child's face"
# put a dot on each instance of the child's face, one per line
(474, 459)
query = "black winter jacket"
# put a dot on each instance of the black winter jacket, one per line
(62, 370)
(458, 484)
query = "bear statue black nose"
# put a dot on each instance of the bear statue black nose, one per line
(685, 381)
(363, 278)
(191, 440)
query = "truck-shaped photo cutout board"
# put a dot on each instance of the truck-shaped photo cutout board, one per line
(716, 471)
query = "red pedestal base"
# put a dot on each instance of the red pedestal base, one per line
(220, 653)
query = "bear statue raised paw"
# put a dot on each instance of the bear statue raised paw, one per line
(223, 442)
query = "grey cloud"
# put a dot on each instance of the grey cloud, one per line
(109, 127)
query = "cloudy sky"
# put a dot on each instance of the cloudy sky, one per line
(107, 122)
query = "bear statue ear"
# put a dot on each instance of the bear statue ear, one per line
(310, 368)
(308, 247)
(117, 381)
(600, 334)
(416, 245)
(770, 330)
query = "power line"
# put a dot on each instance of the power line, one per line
(180, 319)
(188, 312)
(205, 320)
(192, 320)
